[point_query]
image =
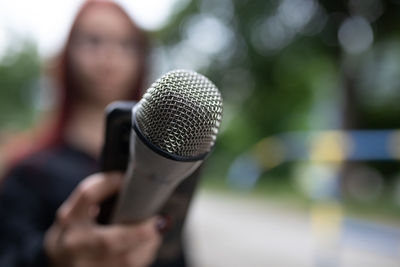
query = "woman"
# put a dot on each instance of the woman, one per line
(50, 199)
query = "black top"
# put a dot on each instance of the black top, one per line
(34, 189)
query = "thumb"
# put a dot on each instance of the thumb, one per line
(88, 195)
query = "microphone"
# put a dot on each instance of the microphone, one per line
(174, 127)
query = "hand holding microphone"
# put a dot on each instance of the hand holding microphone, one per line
(173, 129)
(75, 239)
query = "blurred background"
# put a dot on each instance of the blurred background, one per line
(305, 171)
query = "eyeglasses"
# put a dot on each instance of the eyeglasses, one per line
(93, 43)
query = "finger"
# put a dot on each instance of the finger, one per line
(119, 239)
(143, 255)
(95, 241)
(80, 241)
(87, 242)
(88, 195)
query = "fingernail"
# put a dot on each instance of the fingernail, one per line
(164, 224)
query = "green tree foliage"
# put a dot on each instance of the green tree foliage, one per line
(273, 76)
(285, 65)
(19, 75)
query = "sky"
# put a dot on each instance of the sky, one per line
(48, 21)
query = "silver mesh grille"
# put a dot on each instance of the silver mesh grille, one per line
(180, 113)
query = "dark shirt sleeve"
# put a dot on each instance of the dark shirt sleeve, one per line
(23, 219)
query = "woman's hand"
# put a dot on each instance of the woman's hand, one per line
(75, 240)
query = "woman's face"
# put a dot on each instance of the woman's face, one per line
(104, 56)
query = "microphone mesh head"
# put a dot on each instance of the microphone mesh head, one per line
(181, 113)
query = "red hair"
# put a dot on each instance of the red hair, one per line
(49, 136)
(64, 78)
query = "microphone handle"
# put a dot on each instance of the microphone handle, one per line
(149, 182)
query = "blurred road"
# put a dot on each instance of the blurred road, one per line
(227, 230)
